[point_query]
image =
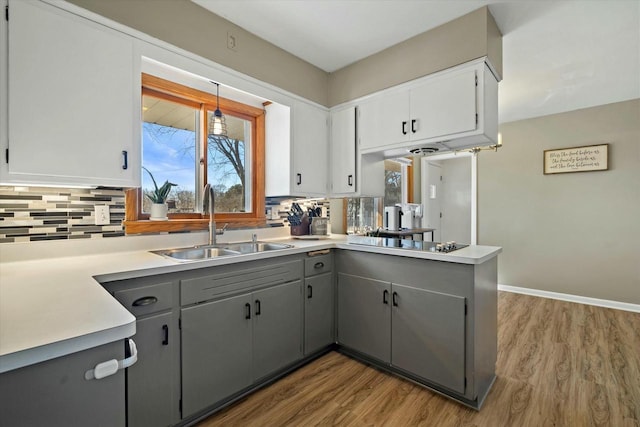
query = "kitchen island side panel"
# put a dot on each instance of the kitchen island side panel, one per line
(485, 314)
(56, 393)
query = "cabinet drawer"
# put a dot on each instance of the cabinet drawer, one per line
(232, 279)
(318, 264)
(147, 299)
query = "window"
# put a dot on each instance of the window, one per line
(169, 149)
(176, 147)
(393, 181)
(364, 215)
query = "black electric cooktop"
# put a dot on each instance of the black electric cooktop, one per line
(387, 242)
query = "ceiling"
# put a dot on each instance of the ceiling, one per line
(557, 55)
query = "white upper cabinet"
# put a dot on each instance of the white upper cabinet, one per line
(310, 149)
(443, 107)
(456, 108)
(73, 116)
(343, 151)
(297, 150)
(384, 120)
(352, 174)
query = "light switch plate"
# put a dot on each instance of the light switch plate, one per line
(103, 217)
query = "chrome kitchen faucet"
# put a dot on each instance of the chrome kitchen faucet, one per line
(208, 205)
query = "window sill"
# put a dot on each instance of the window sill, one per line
(185, 225)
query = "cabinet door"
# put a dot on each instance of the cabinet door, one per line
(318, 312)
(151, 391)
(428, 335)
(444, 106)
(277, 153)
(343, 151)
(384, 120)
(310, 150)
(216, 351)
(277, 333)
(55, 393)
(71, 99)
(364, 317)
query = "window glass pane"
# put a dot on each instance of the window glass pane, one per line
(362, 214)
(229, 165)
(392, 183)
(169, 151)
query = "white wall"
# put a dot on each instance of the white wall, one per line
(456, 200)
(573, 233)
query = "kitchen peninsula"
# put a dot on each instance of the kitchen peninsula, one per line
(451, 296)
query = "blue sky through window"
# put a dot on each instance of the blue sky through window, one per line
(169, 154)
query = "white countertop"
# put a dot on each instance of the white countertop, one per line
(56, 306)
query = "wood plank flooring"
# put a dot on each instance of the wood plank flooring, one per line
(559, 364)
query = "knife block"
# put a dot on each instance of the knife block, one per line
(303, 228)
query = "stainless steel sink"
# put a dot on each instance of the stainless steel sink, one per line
(214, 251)
(197, 253)
(252, 247)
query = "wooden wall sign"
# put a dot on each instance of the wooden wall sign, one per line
(577, 159)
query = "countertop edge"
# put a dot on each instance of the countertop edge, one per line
(32, 356)
(127, 328)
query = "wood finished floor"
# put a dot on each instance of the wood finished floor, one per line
(559, 364)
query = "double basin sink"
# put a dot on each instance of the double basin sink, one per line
(196, 253)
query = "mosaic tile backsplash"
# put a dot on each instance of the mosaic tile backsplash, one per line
(29, 214)
(36, 213)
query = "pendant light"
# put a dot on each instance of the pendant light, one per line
(217, 123)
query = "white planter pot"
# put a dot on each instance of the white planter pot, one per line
(158, 212)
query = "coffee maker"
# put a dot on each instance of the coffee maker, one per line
(392, 215)
(411, 215)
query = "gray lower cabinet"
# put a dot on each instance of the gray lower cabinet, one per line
(277, 328)
(150, 385)
(436, 349)
(232, 343)
(319, 302)
(56, 393)
(153, 383)
(432, 321)
(319, 312)
(217, 351)
(416, 330)
(364, 317)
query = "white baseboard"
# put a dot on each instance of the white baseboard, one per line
(572, 298)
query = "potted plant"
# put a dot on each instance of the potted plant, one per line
(158, 198)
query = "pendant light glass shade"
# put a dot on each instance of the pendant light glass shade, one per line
(217, 122)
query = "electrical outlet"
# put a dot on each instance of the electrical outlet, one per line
(232, 41)
(103, 217)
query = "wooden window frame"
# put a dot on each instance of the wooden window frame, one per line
(137, 222)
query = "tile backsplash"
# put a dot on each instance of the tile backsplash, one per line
(38, 213)
(30, 214)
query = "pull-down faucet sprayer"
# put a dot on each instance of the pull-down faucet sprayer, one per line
(208, 205)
